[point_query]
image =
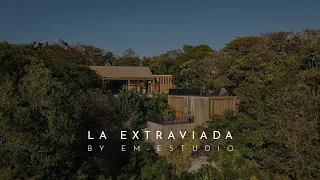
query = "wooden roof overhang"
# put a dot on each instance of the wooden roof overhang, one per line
(123, 72)
(127, 78)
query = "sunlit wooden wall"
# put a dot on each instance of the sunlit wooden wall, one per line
(162, 83)
(202, 107)
(219, 104)
(134, 85)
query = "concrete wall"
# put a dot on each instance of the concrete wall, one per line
(197, 106)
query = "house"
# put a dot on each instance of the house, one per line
(135, 78)
(162, 83)
(190, 108)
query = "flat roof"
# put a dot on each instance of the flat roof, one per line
(123, 72)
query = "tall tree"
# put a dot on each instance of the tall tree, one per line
(129, 58)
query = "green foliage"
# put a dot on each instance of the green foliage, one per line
(278, 124)
(189, 67)
(147, 165)
(129, 58)
(48, 103)
(50, 99)
(179, 159)
(160, 169)
(132, 109)
(158, 105)
(94, 56)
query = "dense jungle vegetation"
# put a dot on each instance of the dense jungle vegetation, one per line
(49, 99)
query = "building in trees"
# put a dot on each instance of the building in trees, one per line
(135, 78)
(162, 83)
(189, 108)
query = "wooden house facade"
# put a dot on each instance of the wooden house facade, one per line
(135, 78)
(201, 107)
(162, 83)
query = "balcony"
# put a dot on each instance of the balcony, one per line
(171, 120)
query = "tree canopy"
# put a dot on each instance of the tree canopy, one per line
(49, 99)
